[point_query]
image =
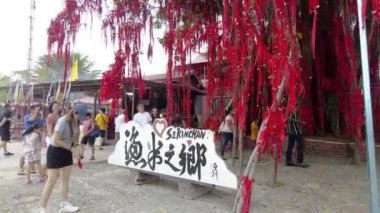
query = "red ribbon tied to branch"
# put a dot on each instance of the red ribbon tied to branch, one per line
(313, 8)
(247, 184)
(375, 8)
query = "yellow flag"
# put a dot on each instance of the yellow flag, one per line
(74, 71)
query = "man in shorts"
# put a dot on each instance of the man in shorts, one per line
(101, 120)
(5, 128)
(88, 138)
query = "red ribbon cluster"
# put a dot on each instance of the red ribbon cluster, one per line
(112, 83)
(313, 8)
(246, 186)
(375, 8)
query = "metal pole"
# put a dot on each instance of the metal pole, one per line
(133, 103)
(30, 49)
(368, 111)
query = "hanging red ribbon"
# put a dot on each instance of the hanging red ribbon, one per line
(80, 165)
(375, 8)
(313, 8)
(247, 185)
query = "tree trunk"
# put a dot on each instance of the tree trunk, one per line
(250, 169)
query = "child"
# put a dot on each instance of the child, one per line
(254, 132)
(32, 151)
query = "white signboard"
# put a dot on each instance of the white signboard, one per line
(182, 153)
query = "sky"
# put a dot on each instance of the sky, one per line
(14, 36)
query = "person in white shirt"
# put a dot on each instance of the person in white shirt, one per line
(119, 120)
(227, 129)
(141, 117)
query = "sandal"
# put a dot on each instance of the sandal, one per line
(92, 158)
(20, 173)
(8, 153)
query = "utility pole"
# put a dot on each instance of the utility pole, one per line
(368, 111)
(29, 82)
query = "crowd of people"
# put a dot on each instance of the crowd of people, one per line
(293, 130)
(57, 135)
(52, 143)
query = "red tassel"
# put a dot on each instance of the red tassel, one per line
(313, 8)
(313, 32)
(247, 185)
(375, 9)
(80, 165)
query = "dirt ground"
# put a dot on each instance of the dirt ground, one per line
(328, 185)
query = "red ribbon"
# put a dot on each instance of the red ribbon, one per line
(375, 8)
(313, 32)
(247, 186)
(80, 165)
(313, 8)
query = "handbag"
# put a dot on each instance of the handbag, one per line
(95, 132)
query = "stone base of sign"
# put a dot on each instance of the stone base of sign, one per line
(191, 191)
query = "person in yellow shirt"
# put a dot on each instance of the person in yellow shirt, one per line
(101, 120)
(254, 132)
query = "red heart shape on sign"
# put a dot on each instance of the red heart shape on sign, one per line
(159, 126)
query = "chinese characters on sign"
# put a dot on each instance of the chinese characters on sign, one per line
(183, 153)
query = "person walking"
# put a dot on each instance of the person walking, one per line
(5, 128)
(60, 154)
(295, 135)
(88, 137)
(227, 131)
(32, 151)
(101, 119)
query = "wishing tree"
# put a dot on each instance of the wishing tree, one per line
(274, 54)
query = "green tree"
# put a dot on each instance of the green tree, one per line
(47, 68)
